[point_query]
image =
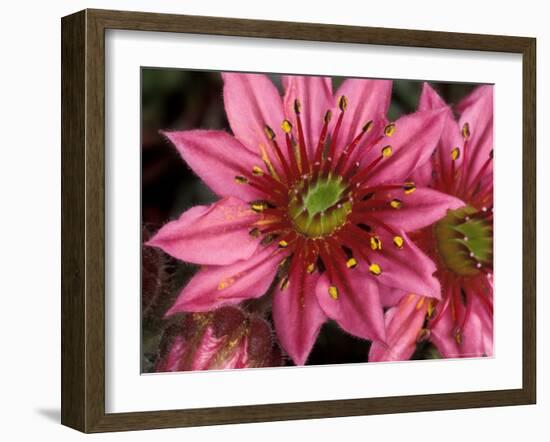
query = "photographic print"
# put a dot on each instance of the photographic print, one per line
(293, 220)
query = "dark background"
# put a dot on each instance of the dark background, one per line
(176, 99)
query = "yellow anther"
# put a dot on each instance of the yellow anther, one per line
(267, 162)
(375, 269)
(283, 244)
(389, 130)
(241, 179)
(333, 292)
(396, 204)
(258, 206)
(375, 243)
(343, 103)
(257, 171)
(455, 153)
(387, 151)
(266, 240)
(284, 283)
(351, 263)
(398, 241)
(368, 126)
(255, 232)
(420, 303)
(297, 106)
(311, 268)
(284, 263)
(409, 187)
(466, 131)
(286, 126)
(458, 337)
(423, 334)
(431, 309)
(269, 133)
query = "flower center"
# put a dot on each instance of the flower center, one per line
(465, 240)
(319, 207)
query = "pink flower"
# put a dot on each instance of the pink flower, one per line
(315, 196)
(225, 338)
(461, 325)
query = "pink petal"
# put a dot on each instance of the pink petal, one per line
(403, 323)
(475, 329)
(450, 137)
(424, 174)
(215, 286)
(172, 360)
(443, 336)
(217, 158)
(297, 314)
(358, 309)
(390, 297)
(206, 350)
(430, 99)
(478, 331)
(408, 269)
(217, 234)
(315, 96)
(419, 209)
(367, 100)
(477, 111)
(251, 102)
(415, 138)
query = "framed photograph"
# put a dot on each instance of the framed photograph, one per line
(267, 221)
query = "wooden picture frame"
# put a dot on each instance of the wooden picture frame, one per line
(83, 220)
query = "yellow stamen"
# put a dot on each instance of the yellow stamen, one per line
(284, 283)
(398, 241)
(351, 263)
(311, 268)
(297, 106)
(423, 334)
(368, 126)
(257, 171)
(286, 126)
(395, 204)
(268, 163)
(333, 292)
(409, 187)
(431, 309)
(255, 232)
(455, 153)
(458, 337)
(375, 243)
(284, 263)
(420, 303)
(268, 239)
(258, 206)
(343, 103)
(269, 133)
(283, 244)
(387, 151)
(241, 180)
(375, 269)
(389, 130)
(466, 131)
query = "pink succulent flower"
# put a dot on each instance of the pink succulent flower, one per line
(315, 196)
(461, 324)
(225, 338)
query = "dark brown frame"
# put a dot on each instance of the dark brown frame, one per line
(83, 216)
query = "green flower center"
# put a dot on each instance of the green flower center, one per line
(465, 241)
(318, 208)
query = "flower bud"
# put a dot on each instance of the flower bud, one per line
(224, 338)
